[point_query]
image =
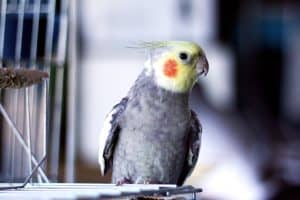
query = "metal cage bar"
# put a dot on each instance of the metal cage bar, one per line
(27, 110)
(2, 28)
(35, 29)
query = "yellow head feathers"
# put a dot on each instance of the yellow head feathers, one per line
(176, 65)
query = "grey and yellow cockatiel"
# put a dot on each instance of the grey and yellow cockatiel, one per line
(152, 136)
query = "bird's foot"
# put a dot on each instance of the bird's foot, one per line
(150, 182)
(146, 181)
(123, 181)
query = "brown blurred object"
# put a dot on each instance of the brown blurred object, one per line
(18, 78)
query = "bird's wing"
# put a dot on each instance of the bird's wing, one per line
(194, 143)
(109, 135)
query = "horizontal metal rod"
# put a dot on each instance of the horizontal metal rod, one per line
(96, 185)
(75, 190)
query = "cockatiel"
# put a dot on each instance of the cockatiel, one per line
(152, 136)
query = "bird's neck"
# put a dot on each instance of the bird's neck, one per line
(145, 86)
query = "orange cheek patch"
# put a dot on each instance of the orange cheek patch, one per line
(170, 68)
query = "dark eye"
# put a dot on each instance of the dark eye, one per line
(183, 56)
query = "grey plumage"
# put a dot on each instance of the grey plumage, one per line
(154, 136)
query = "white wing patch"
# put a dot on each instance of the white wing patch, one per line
(105, 131)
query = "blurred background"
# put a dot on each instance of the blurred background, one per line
(249, 104)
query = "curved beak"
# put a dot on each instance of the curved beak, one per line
(202, 66)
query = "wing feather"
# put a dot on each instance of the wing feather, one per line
(109, 135)
(194, 144)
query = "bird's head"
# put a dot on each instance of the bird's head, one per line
(176, 65)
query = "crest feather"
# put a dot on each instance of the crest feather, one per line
(149, 45)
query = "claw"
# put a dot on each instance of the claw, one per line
(123, 181)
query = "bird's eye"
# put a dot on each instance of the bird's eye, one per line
(183, 56)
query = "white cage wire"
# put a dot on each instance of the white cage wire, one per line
(33, 36)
